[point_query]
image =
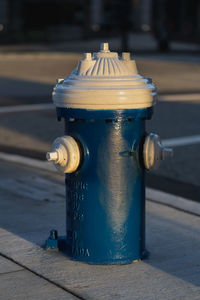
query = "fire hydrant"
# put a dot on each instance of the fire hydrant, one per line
(104, 154)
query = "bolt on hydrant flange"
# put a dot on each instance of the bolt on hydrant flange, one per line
(104, 154)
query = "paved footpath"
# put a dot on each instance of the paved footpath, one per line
(32, 203)
(19, 283)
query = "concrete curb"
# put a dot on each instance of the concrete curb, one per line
(173, 201)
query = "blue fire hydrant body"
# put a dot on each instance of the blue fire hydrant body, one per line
(105, 176)
(106, 196)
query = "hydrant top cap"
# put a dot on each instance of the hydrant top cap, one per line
(103, 80)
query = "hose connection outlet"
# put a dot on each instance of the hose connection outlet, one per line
(154, 152)
(65, 154)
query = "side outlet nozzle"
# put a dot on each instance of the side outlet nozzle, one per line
(154, 152)
(65, 154)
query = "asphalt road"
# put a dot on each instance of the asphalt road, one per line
(29, 78)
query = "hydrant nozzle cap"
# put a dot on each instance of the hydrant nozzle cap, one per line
(65, 154)
(154, 152)
(105, 80)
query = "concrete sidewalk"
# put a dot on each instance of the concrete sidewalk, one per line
(19, 283)
(32, 203)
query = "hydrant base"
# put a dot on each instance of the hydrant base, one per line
(122, 261)
(60, 244)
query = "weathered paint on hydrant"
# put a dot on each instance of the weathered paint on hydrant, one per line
(104, 154)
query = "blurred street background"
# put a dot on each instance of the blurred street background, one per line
(43, 40)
